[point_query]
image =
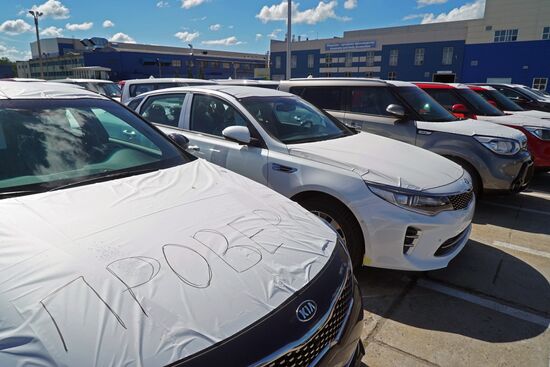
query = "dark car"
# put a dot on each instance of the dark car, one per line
(522, 95)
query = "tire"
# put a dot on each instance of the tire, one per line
(334, 212)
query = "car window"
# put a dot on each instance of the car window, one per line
(163, 109)
(509, 92)
(327, 98)
(502, 102)
(108, 89)
(51, 143)
(212, 115)
(134, 103)
(291, 120)
(445, 97)
(137, 89)
(479, 105)
(424, 105)
(372, 100)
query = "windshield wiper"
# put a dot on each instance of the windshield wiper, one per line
(107, 177)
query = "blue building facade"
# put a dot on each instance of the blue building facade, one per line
(510, 43)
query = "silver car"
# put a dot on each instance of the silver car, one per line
(495, 156)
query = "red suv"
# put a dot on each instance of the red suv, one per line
(464, 102)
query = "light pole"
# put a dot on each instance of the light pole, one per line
(36, 15)
(288, 40)
(191, 63)
(160, 71)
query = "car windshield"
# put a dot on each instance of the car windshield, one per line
(424, 105)
(479, 105)
(291, 120)
(49, 144)
(539, 93)
(502, 102)
(109, 89)
(531, 94)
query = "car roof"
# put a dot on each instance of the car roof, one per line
(480, 87)
(347, 81)
(70, 80)
(436, 85)
(250, 82)
(236, 91)
(44, 90)
(167, 80)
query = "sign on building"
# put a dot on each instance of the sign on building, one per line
(344, 46)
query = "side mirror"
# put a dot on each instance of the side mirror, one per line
(396, 110)
(460, 108)
(180, 140)
(238, 134)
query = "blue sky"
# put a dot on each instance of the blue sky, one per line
(240, 25)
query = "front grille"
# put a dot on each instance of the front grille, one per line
(448, 246)
(461, 201)
(306, 353)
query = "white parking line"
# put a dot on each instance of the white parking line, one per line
(534, 211)
(526, 250)
(483, 302)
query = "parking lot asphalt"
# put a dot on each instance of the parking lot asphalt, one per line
(490, 307)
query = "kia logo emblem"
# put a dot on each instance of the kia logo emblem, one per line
(306, 311)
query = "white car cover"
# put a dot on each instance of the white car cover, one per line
(149, 269)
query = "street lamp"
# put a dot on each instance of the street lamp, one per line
(36, 15)
(288, 40)
(160, 71)
(190, 69)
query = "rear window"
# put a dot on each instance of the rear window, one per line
(137, 89)
(327, 98)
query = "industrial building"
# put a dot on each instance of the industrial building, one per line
(511, 43)
(100, 59)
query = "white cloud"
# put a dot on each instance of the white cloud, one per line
(352, 4)
(13, 27)
(423, 3)
(275, 33)
(259, 36)
(473, 10)
(187, 36)
(52, 32)
(52, 8)
(215, 27)
(188, 4)
(122, 37)
(79, 27)
(14, 54)
(322, 12)
(229, 41)
(415, 16)
(108, 24)
(163, 4)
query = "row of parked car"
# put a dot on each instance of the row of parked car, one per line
(113, 226)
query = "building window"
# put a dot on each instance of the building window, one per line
(348, 74)
(506, 35)
(277, 62)
(540, 83)
(328, 75)
(310, 61)
(370, 58)
(447, 55)
(176, 63)
(546, 33)
(419, 56)
(294, 61)
(349, 59)
(474, 63)
(369, 74)
(392, 75)
(394, 57)
(328, 58)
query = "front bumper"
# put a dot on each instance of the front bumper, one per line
(507, 173)
(388, 230)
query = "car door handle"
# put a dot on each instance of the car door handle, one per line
(214, 150)
(281, 168)
(196, 148)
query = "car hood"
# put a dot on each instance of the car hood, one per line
(149, 269)
(516, 120)
(383, 161)
(469, 127)
(532, 113)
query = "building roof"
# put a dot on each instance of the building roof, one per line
(44, 90)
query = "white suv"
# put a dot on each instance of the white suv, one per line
(394, 205)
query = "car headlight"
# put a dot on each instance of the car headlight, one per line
(416, 202)
(500, 146)
(543, 133)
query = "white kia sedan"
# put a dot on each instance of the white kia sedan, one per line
(118, 248)
(394, 205)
